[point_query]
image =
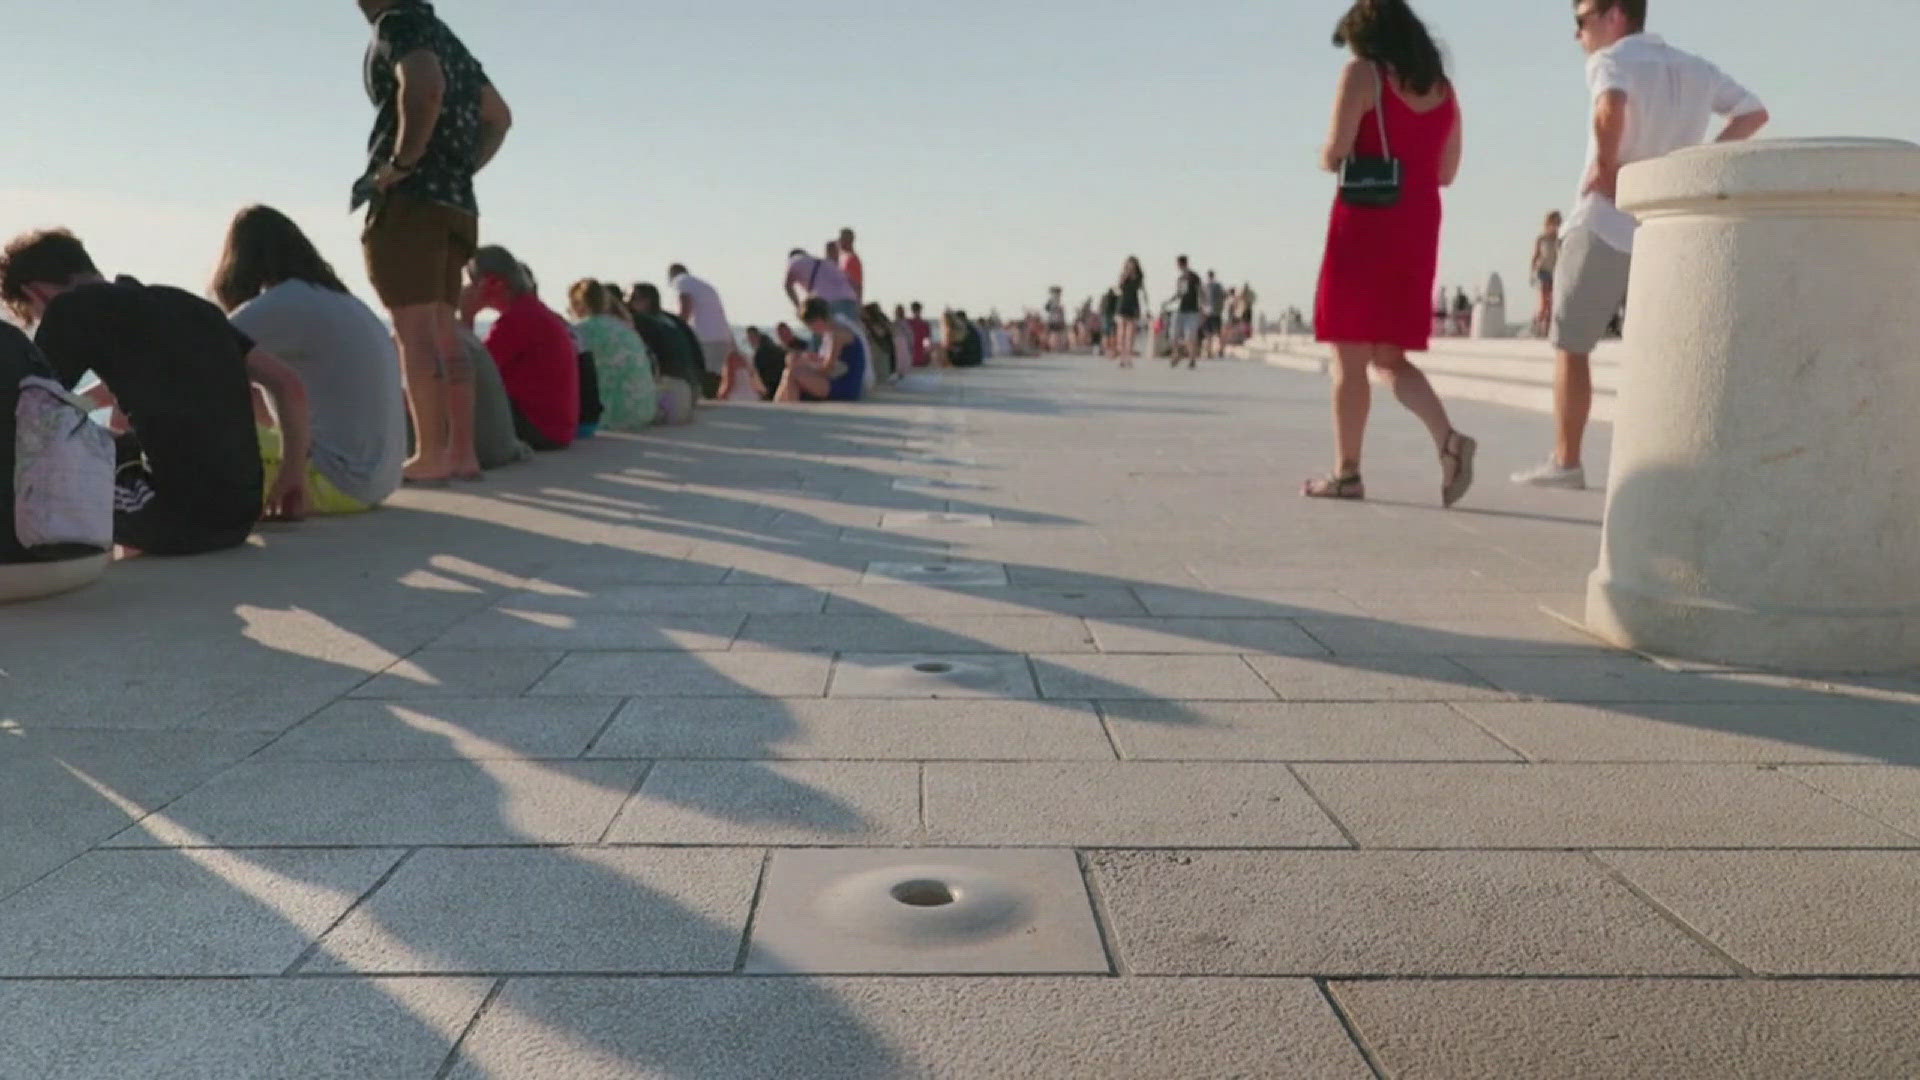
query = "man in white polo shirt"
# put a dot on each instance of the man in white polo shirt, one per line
(1649, 99)
(700, 306)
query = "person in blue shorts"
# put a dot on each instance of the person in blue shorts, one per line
(835, 371)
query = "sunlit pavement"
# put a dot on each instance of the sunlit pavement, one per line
(1026, 724)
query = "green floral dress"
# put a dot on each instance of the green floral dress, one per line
(628, 394)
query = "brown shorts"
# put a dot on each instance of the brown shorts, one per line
(416, 250)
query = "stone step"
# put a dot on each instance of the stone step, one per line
(1514, 373)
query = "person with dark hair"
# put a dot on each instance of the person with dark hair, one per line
(675, 347)
(1189, 297)
(834, 371)
(851, 266)
(1648, 100)
(439, 121)
(278, 291)
(1213, 303)
(964, 344)
(190, 477)
(1130, 304)
(531, 345)
(886, 361)
(769, 358)
(702, 309)
(1394, 100)
(622, 365)
(919, 335)
(809, 277)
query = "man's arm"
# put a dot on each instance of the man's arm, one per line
(793, 293)
(1745, 126)
(495, 119)
(423, 87)
(288, 498)
(1609, 129)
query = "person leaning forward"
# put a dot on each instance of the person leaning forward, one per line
(438, 121)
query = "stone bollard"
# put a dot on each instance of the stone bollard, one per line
(1764, 505)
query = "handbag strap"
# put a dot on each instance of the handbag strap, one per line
(1380, 110)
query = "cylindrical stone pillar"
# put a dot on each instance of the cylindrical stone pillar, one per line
(1764, 500)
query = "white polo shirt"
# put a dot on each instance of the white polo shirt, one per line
(709, 315)
(1671, 98)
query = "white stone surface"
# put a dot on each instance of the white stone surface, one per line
(924, 675)
(1771, 333)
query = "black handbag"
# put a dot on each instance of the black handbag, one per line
(1372, 181)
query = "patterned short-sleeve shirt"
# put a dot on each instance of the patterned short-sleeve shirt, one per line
(445, 173)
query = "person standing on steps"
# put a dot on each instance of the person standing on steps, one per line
(1394, 101)
(1546, 256)
(1649, 99)
(439, 121)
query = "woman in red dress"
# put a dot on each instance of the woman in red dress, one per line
(1377, 276)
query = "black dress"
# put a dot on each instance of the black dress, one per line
(1131, 287)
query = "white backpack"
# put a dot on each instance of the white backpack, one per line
(63, 467)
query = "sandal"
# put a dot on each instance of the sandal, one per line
(1335, 487)
(1456, 467)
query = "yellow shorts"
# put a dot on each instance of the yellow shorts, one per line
(322, 496)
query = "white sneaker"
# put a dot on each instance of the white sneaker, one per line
(1551, 475)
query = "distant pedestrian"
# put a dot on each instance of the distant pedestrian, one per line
(1130, 304)
(1394, 100)
(1649, 99)
(1189, 297)
(852, 267)
(439, 122)
(701, 308)
(1546, 256)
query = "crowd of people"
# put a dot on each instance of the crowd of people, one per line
(1201, 319)
(284, 395)
(1395, 143)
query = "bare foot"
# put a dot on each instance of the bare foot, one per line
(421, 470)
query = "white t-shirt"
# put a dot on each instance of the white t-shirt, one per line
(709, 315)
(1671, 98)
(345, 356)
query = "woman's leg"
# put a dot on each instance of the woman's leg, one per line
(1410, 385)
(804, 379)
(1352, 398)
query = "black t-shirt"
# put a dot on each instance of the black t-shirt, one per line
(179, 371)
(673, 345)
(445, 173)
(1189, 293)
(770, 360)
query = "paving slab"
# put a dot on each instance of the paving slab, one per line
(913, 1028)
(234, 1029)
(1521, 634)
(1143, 804)
(1297, 731)
(1373, 678)
(960, 600)
(60, 787)
(511, 627)
(1889, 793)
(935, 572)
(461, 673)
(1200, 602)
(1792, 913)
(1609, 678)
(650, 674)
(923, 675)
(899, 911)
(178, 913)
(1811, 730)
(1426, 913)
(677, 600)
(1555, 806)
(855, 728)
(1129, 676)
(1632, 1028)
(1167, 635)
(885, 633)
(773, 803)
(448, 728)
(569, 909)
(394, 802)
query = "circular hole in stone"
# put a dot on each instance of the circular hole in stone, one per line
(922, 892)
(933, 667)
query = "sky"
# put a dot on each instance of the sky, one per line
(983, 150)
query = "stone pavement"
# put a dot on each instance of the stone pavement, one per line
(1029, 726)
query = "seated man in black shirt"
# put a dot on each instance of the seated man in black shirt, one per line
(674, 345)
(190, 477)
(769, 360)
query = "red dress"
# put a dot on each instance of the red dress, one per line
(1376, 280)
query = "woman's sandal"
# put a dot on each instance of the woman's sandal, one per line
(1456, 467)
(1335, 487)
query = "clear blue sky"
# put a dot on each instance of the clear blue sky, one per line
(983, 149)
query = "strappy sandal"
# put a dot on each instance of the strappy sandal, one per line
(1456, 467)
(1335, 487)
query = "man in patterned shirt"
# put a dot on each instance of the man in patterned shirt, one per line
(439, 121)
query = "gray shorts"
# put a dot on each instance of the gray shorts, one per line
(715, 354)
(1589, 286)
(1186, 326)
